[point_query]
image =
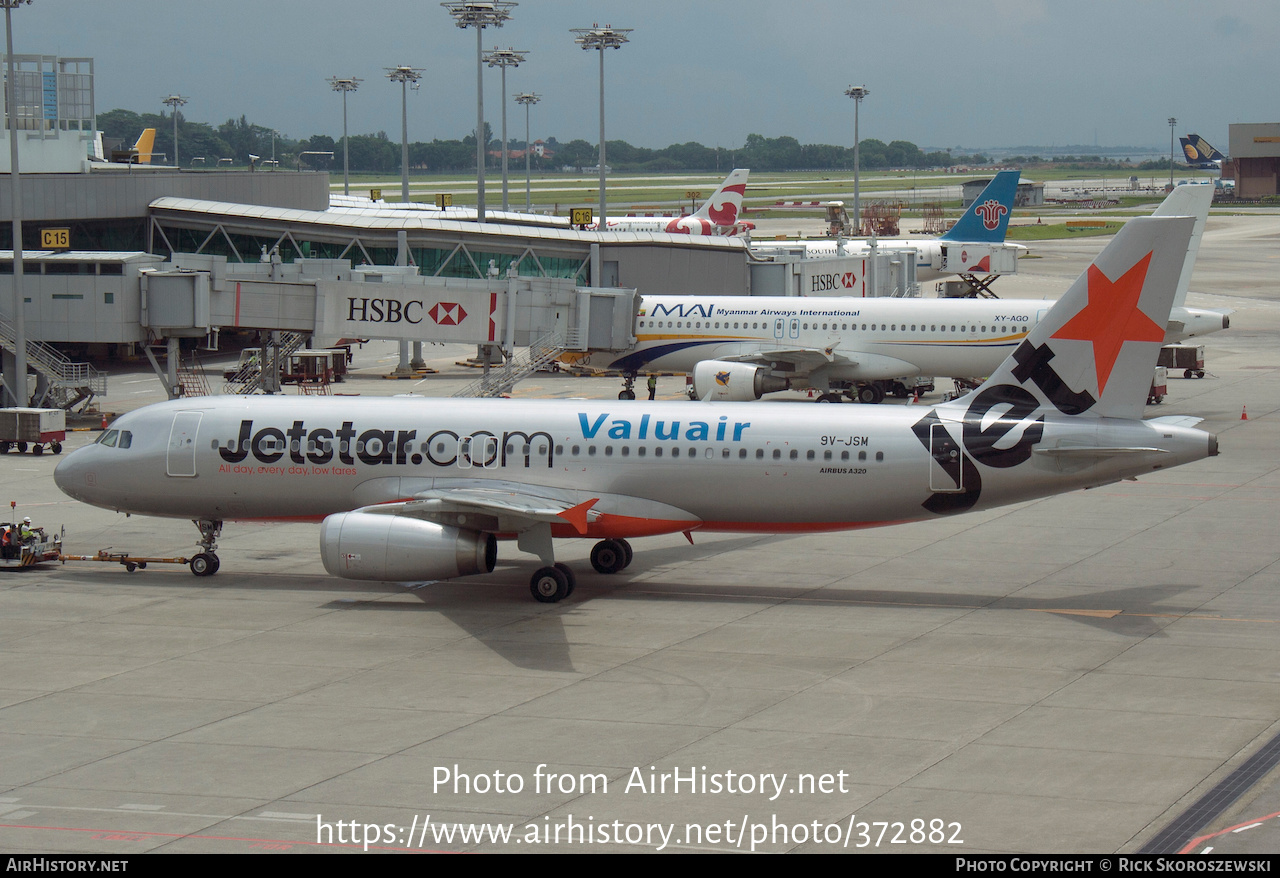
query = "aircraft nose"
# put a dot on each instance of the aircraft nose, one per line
(74, 476)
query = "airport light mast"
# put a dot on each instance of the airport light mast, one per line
(173, 102)
(857, 92)
(1172, 122)
(527, 98)
(344, 85)
(406, 76)
(601, 38)
(505, 58)
(19, 396)
(477, 14)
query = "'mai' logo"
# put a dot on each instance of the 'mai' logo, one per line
(991, 211)
(447, 313)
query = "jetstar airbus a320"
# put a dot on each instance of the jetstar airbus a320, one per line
(411, 490)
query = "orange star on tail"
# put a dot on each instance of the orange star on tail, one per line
(1112, 317)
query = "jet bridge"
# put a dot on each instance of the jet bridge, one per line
(197, 296)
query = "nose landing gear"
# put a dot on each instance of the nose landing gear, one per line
(206, 563)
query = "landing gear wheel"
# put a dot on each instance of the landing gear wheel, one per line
(55, 447)
(608, 556)
(870, 395)
(569, 574)
(549, 585)
(829, 397)
(628, 386)
(626, 548)
(204, 564)
(217, 564)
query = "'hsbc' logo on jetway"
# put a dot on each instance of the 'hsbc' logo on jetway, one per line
(447, 313)
(835, 281)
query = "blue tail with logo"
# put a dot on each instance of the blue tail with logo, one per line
(987, 219)
(1200, 153)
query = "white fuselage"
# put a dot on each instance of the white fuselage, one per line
(653, 467)
(876, 338)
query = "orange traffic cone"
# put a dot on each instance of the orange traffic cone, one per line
(104, 420)
(810, 393)
(1244, 413)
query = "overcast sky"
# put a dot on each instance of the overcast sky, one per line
(976, 73)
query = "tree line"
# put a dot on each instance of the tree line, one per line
(236, 139)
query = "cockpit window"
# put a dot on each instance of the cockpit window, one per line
(116, 438)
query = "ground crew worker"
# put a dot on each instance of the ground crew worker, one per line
(653, 385)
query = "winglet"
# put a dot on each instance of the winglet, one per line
(577, 515)
(987, 219)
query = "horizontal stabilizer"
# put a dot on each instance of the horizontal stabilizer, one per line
(1092, 451)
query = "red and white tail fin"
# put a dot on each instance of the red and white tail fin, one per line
(725, 204)
(1096, 349)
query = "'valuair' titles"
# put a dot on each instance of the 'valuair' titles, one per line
(695, 431)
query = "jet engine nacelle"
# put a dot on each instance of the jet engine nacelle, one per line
(395, 548)
(735, 382)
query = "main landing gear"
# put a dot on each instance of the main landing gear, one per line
(206, 563)
(556, 582)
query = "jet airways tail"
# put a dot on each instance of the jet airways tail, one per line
(1096, 349)
(1200, 153)
(987, 219)
(725, 204)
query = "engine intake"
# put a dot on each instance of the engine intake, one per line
(395, 548)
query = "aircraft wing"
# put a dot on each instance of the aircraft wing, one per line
(511, 507)
(495, 509)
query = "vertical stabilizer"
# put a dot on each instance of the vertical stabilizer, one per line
(1096, 349)
(1191, 200)
(987, 219)
(725, 204)
(145, 145)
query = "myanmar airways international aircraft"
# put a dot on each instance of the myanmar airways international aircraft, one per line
(766, 344)
(411, 490)
(717, 216)
(965, 249)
